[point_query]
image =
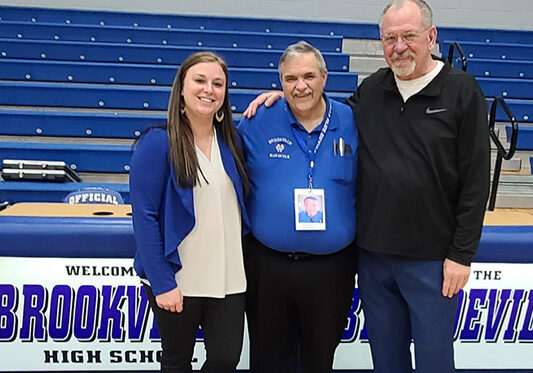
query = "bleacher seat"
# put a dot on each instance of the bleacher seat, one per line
(524, 141)
(525, 137)
(120, 73)
(522, 110)
(80, 157)
(498, 68)
(507, 87)
(110, 97)
(152, 54)
(76, 124)
(77, 17)
(503, 51)
(485, 35)
(174, 36)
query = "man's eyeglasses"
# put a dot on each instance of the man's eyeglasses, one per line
(408, 37)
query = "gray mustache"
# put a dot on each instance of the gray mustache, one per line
(403, 55)
(306, 91)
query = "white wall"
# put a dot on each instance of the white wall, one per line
(507, 14)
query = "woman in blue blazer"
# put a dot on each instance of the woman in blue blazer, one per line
(186, 185)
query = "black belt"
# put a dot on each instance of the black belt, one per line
(294, 255)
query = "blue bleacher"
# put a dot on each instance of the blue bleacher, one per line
(521, 109)
(502, 51)
(120, 73)
(76, 124)
(485, 35)
(152, 54)
(63, 123)
(81, 157)
(174, 36)
(503, 68)
(89, 74)
(144, 97)
(498, 68)
(77, 17)
(524, 140)
(165, 21)
(111, 97)
(507, 87)
(82, 95)
(82, 64)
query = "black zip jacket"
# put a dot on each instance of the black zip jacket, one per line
(424, 166)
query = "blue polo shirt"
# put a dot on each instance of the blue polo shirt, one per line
(277, 165)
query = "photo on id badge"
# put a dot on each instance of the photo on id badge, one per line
(309, 209)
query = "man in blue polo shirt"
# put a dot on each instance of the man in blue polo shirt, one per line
(300, 273)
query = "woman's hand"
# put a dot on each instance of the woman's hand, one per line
(171, 300)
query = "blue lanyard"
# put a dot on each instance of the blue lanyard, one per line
(312, 154)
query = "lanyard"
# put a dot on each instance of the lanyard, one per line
(312, 153)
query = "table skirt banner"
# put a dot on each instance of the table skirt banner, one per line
(89, 314)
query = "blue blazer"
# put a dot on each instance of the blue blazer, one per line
(163, 212)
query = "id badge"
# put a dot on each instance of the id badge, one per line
(309, 209)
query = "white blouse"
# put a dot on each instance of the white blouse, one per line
(211, 254)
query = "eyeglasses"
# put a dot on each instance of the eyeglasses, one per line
(408, 37)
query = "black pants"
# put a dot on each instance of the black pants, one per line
(222, 322)
(296, 307)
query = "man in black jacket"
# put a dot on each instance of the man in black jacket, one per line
(423, 186)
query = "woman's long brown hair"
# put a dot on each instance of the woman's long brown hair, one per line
(180, 136)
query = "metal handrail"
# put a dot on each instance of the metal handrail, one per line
(456, 45)
(502, 153)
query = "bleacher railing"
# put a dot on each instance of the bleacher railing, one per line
(502, 152)
(456, 45)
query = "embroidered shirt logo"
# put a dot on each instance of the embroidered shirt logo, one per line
(430, 111)
(280, 145)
